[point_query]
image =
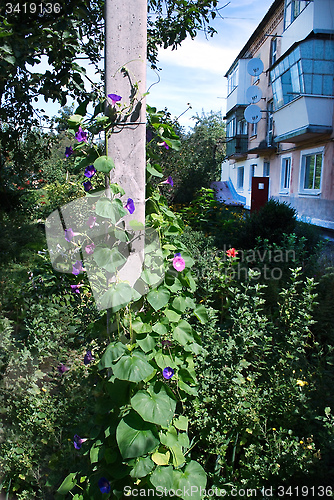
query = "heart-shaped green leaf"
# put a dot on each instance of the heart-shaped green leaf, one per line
(192, 476)
(135, 437)
(112, 353)
(201, 313)
(153, 406)
(104, 164)
(116, 297)
(183, 332)
(133, 367)
(68, 483)
(142, 467)
(158, 298)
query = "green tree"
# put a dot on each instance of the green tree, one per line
(66, 32)
(198, 161)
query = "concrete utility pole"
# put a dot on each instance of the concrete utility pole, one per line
(125, 46)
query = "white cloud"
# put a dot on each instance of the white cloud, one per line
(202, 55)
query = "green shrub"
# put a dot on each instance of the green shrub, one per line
(39, 203)
(254, 420)
(272, 221)
(206, 214)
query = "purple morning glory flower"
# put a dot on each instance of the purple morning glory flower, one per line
(114, 98)
(169, 180)
(62, 368)
(130, 205)
(69, 234)
(77, 441)
(91, 221)
(75, 288)
(90, 171)
(104, 485)
(68, 151)
(178, 262)
(89, 249)
(168, 372)
(87, 186)
(81, 135)
(88, 357)
(77, 268)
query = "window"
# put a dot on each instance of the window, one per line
(230, 128)
(240, 179)
(270, 123)
(287, 79)
(266, 169)
(251, 175)
(242, 127)
(232, 80)
(310, 172)
(285, 174)
(253, 129)
(273, 51)
(292, 10)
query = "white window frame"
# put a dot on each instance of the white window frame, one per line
(285, 180)
(239, 187)
(253, 129)
(303, 155)
(230, 127)
(273, 50)
(295, 8)
(266, 166)
(232, 79)
(252, 168)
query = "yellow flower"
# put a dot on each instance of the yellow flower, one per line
(301, 382)
(301, 442)
(274, 428)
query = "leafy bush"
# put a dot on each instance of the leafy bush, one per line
(206, 214)
(254, 417)
(38, 404)
(18, 237)
(270, 222)
(39, 203)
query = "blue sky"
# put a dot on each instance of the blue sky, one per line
(194, 73)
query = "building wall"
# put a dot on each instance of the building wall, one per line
(315, 206)
(230, 172)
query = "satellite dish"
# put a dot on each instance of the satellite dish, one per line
(255, 66)
(252, 113)
(253, 94)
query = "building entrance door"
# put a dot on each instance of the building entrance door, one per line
(259, 194)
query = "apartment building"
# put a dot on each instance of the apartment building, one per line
(292, 143)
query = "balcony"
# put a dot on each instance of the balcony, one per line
(304, 118)
(236, 146)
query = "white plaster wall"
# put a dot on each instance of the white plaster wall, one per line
(230, 171)
(304, 111)
(238, 95)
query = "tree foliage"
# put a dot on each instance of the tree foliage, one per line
(198, 160)
(64, 36)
